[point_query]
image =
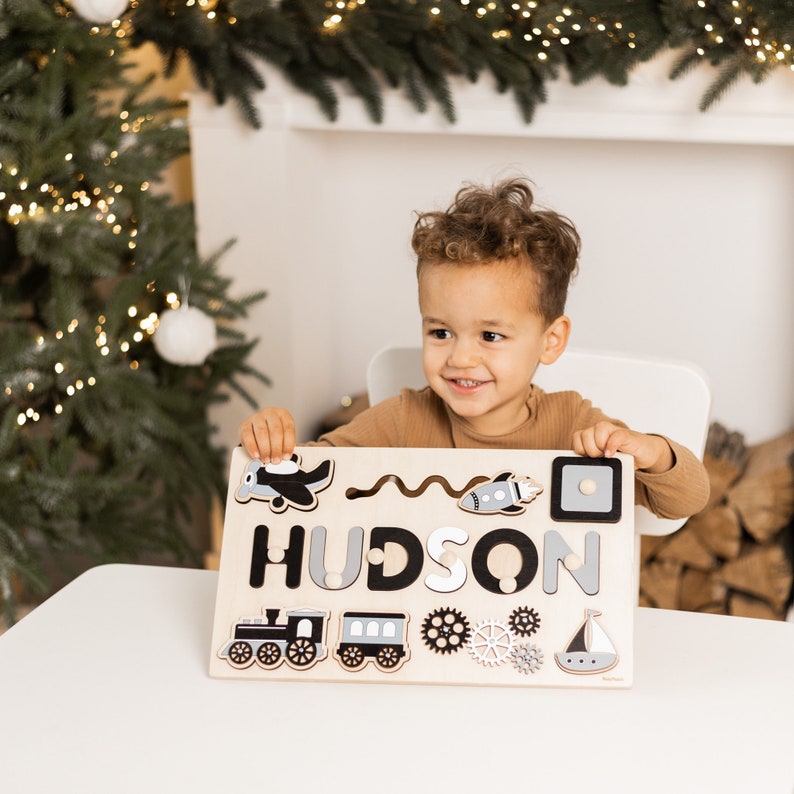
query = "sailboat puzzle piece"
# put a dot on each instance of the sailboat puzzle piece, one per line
(590, 650)
(285, 484)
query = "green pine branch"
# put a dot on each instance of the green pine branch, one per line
(419, 45)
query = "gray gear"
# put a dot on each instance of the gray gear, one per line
(527, 658)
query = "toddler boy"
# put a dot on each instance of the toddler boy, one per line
(493, 273)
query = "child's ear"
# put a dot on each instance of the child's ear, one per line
(556, 339)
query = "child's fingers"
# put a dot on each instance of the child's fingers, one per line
(268, 435)
(601, 440)
(248, 439)
(618, 440)
(287, 438)
(274, 433)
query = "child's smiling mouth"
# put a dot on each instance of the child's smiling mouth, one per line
(465, 384)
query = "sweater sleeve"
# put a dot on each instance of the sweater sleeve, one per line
(679, 492)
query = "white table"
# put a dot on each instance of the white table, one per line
(104, 688)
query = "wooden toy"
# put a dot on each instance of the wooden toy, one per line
(495, 567)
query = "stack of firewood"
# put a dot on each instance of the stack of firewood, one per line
(734, 557)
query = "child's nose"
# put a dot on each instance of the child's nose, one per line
(463, 354)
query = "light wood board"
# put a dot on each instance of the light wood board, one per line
(414, 581)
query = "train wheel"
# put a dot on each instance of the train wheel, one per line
(301, 652)
(240, 653)
(352, 657)
(268, 654)
(388, 657)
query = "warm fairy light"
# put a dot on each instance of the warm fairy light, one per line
(149, 324)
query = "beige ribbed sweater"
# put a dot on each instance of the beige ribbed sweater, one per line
(422, 419)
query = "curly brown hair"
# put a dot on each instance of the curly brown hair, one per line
(500, 223)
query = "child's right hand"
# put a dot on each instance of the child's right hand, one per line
(268, 435)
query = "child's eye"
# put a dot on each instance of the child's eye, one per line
(491, 336)
(440, 333)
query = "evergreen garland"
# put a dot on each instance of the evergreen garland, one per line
(417, 45)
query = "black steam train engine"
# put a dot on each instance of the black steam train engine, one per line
(298, 642)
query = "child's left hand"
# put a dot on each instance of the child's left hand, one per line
(604, 439)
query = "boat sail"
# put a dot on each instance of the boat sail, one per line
(590, 650)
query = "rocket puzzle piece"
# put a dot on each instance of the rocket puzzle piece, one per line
(505, 494)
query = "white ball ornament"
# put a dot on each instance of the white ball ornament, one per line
(185, 336)
(100, 11)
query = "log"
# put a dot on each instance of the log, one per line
(724, 459)
(764, 572)
(722, 476)
(746, 607)
(718, 530)
(699, 591)
(649, 544)
(724, 444)
(660, 583)
(685, 547)
(764, 504)
(764, 496)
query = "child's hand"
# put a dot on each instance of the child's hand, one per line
(603, 440)
(268, 435)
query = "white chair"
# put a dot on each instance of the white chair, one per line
(671, 398)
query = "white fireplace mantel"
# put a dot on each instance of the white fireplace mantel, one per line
(686, 215)
(650, 108)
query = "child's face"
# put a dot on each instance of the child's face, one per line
(482, 342)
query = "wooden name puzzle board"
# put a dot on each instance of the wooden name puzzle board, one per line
(496, 567)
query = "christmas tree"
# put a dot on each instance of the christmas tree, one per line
(105, 443)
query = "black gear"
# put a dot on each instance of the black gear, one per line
(445, 630)
(524, 621)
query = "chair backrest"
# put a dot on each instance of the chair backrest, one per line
(671, 398)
